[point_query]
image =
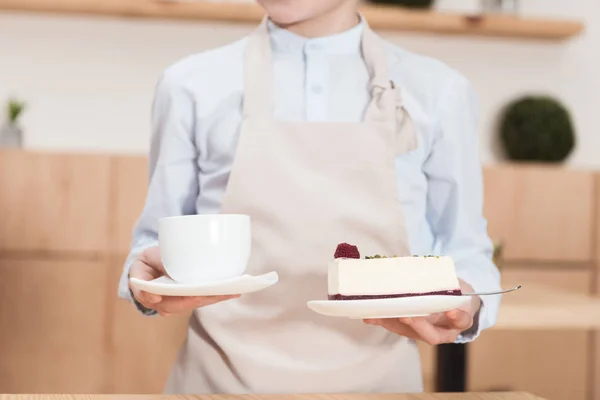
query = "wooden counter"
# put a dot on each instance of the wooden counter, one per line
(419, 396)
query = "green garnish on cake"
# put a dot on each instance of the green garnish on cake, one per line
(378, 256)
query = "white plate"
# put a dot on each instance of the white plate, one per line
(401, 307)
(242, 284)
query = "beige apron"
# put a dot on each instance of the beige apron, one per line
(307, 187)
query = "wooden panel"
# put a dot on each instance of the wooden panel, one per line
(541, 304)
(563, 277)
(597, 272)
(550, 364)
(379, 17)
(129, 187)
(53, 332)
(53, 202)
(540, 213)
(143, 348)
(596, 234)
(596, 345)
(597, 226)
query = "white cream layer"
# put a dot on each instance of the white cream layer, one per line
(384, 276)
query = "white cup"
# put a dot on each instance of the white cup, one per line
(204, 248)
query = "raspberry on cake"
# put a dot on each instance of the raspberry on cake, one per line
(345, 250)
(353, 278)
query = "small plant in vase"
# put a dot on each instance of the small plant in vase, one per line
(498, 253)
(500, 6)
(10, 133)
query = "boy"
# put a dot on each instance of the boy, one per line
(322, 133)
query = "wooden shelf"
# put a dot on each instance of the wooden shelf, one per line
(379, 17)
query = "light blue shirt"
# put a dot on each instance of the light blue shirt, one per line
(197, 113)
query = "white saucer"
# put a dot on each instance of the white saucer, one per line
(243, 284)
(401, 307)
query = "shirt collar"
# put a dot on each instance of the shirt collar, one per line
(348, 41)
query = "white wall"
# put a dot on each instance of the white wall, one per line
(89, 81)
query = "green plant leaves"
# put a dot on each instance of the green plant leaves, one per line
(537, 129)
(14, 110)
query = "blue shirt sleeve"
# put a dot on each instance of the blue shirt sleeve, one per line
(172, 167)
(455, 199)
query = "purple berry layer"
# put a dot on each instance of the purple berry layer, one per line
(456, 292)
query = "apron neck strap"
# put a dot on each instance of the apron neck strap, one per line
(258, 75)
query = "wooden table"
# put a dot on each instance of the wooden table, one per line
(532, 307)
(419, 396)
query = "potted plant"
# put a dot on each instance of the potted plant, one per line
(500, 6)
(537, 129)
(498, 253)
(10, 133)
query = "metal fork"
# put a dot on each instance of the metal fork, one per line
(492, 293)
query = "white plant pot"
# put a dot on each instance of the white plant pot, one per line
(500, 6)
(11, 136)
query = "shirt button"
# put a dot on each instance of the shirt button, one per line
(317, 89)
(314, 46)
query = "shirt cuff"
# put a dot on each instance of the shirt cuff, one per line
(483, 276)
(141, 308)
(124, 289)
(474, 331)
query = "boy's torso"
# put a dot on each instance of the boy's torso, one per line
(311, 85)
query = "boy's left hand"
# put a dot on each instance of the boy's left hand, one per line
(436, 328)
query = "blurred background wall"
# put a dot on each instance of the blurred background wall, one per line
(89, 81)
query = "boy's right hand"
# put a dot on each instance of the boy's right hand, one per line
(148, 266)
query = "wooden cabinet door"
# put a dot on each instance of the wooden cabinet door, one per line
(53, 327)
(143, 348)
(53, 202)
(540, 213)
(553, 364)
(129, 187)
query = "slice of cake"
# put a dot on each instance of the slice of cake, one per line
(351, 277)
